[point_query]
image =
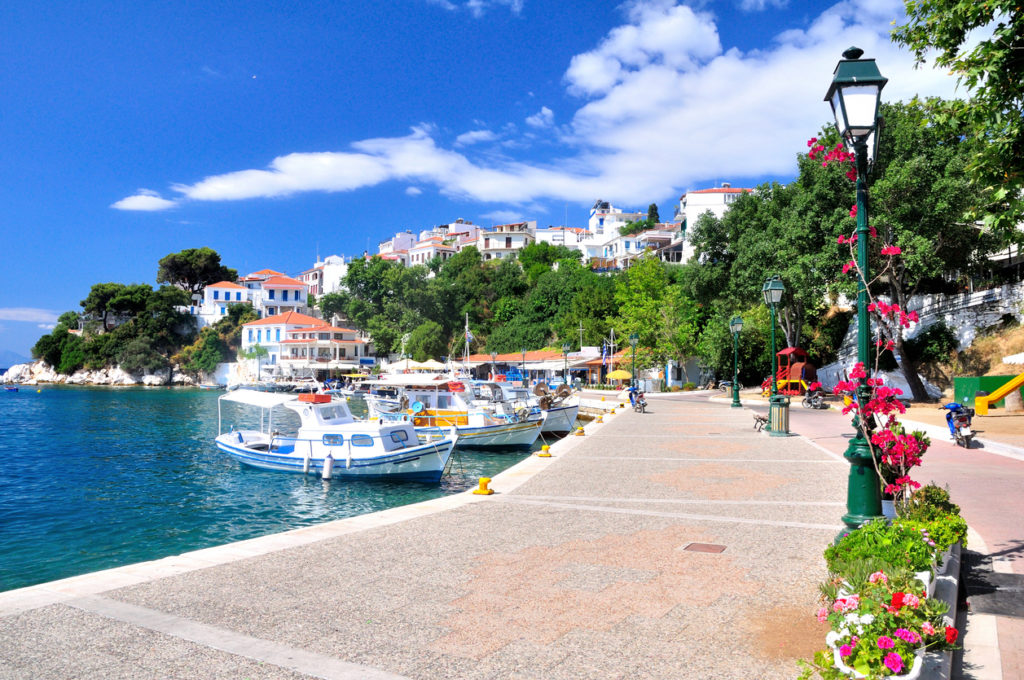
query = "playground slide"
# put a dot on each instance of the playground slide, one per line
(981, 404)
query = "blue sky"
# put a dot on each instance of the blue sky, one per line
(269, 131)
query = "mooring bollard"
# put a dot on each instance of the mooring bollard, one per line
(579, 431)
(600, 419)
(483, 490)
(545, 452)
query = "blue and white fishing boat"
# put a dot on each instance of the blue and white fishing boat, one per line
(330, 442)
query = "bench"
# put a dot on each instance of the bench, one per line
(759, 421)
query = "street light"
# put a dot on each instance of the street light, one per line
(523, 367)
(565, 368)
(633, 339)
(854, 94)
(736, 325)
(772, 291)
(494, 365)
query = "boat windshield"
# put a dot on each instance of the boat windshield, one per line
(332, 413)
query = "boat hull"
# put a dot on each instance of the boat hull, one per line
(421, 463)
(514, 435)
(560, 419)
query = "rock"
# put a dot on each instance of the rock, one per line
(1013, 402)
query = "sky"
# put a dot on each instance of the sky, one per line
(273, 132)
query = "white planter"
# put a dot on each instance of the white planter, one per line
(927, 578)
(912, 674)
(889, 509)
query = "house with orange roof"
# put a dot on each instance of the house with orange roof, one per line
(325, 276)
(270, 331)
(213, 303)
(505, 240)
(426, 250)
(322, 347)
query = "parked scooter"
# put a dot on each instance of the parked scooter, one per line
(958, 417)
(814, 399)
(636, 399)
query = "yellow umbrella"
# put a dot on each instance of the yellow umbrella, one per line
(619, 374)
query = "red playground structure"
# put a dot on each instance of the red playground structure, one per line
(795, 372)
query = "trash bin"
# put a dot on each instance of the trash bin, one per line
(778, 416)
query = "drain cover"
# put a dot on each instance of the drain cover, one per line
(704, 547)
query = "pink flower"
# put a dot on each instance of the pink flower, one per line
(891, 250)
(812, 141)
(823, 615)
(858, 371)
(885, 642)
(848, 266)
(845, 650)
(871, 230)
(927, 628)
(853, 210)
(894, 662)
(908, 636)
(878, 576)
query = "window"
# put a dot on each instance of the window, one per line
(508, 241)
(333, 439)
(238, 295)
(487, 242)
(277, 335)
(284, 296)
(399, 436)
(216, 295)
(361, 440)
(270, 294)
(223, 310)
(250, 336)
(259, 336)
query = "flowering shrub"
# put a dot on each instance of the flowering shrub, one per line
(877, 631)
(898, 545)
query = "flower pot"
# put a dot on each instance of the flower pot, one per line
(927, 579)
(911, 673)
(889, 508)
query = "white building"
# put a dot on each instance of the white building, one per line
(426, 250)
(570, 237)
(400, 241)
(504, 240)
(215, 300)
(271, 331)
(322, 347)
(326, 276)
(693, 204)
(605, 220)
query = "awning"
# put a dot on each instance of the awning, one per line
(256, 398)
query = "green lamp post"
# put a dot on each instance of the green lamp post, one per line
(523, 367)
(736, 325)
(633, 339)
(772, 290)
(565, 368)
(854, 95)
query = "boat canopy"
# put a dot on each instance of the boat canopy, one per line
(261, 399)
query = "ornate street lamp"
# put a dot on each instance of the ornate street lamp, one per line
(736, 325)
(565, 368)
(772, 291)
(633, 339)
(854, 95)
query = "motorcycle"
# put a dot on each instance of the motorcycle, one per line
(958, 417)
(636, 399)
(814, 399)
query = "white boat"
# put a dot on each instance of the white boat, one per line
(558, 410)
(331, 442)
(435, 404)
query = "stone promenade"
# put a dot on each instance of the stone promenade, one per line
(673, 544)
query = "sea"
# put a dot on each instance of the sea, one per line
(99, 477)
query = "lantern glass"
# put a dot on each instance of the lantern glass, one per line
(860, 103)
(773, 290)
(736, 325)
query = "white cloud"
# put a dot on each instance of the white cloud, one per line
(144, 200)
(46, 326)
(504, 216)
(665, 107)
(761, 5)
(475, 136)
(30, 314)
(413, 191)
(479, 7)
(542, 119)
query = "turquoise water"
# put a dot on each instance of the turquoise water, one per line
(93, 478)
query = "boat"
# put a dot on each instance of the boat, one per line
(331, 442)
(10, 389)
(210, 386)
(435, 403)
(558, 410)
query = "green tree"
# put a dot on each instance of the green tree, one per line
(97, 303)
(257, 352)
(138, 357)
(983, 43)
(652, 214)
(193, 269)
(426, 341)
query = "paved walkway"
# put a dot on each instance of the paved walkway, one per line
(988, 484)
(674, 544)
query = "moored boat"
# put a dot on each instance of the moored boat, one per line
(331, 442)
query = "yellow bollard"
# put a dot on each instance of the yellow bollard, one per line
(612, 412)
(483, 490)
(579, 431)
(602, 398)
(622, 405)
(600, 419)
(545, 452)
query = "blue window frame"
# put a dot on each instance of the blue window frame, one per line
(216, 295)
(270, 294)
(284, 296)
(259, 336)
(238, 295)
(334, 439)
(399, 436)
(250, 335)
(361, 440)
(223, 310)
(277, 335)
